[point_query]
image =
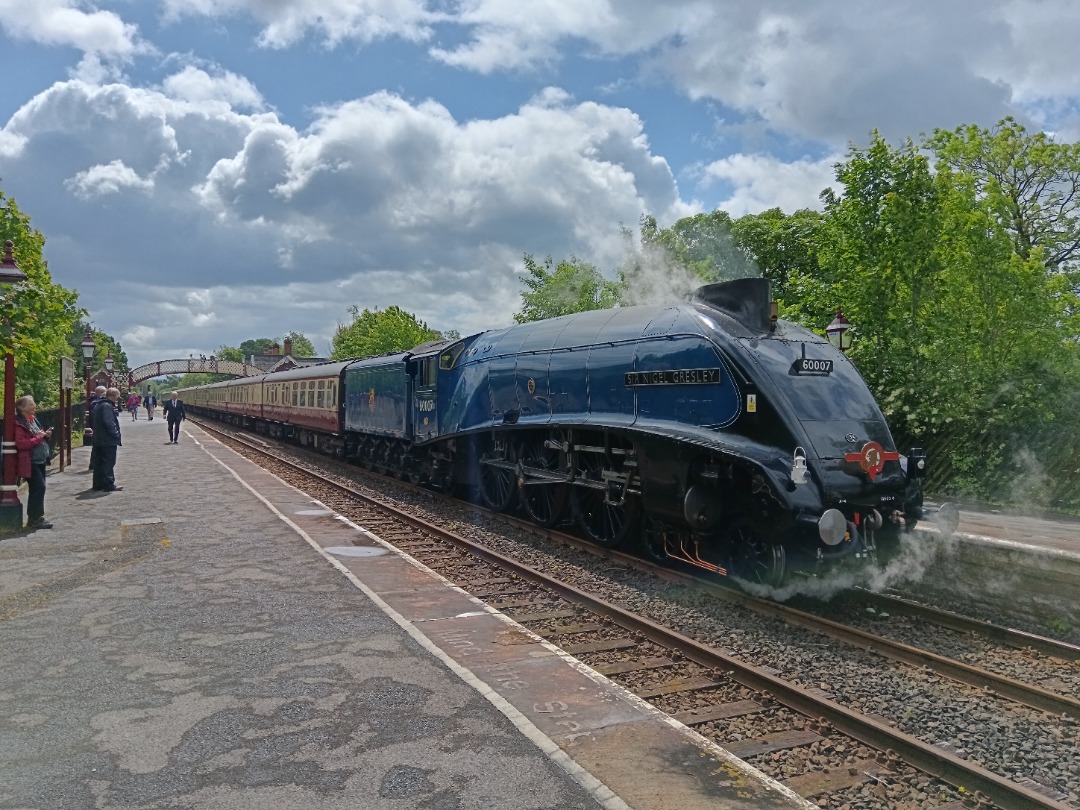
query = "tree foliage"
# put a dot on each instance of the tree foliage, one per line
(1028, 182)
(783, 248)
(301, 346)
(379, 331)
(561, 289)
(39, 314)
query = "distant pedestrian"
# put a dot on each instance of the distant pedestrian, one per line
(173, 410)
(32, 446)
(106, 440)
(97, 396)
(150, 401)
(133, 406)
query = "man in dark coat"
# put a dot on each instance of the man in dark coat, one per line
(95, 398)
(106, 439)
(174, 415)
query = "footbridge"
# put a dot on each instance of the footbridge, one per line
(193, 365)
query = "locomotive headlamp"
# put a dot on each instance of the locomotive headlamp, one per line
(916, 463)
(840, 331)
(798, 467)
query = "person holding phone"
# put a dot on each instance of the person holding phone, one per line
(32, 446)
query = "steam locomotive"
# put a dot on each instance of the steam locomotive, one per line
(710, 431)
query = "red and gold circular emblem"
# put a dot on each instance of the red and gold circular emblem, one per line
(871, 458)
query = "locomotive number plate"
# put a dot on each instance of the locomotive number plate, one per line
(673, 376)
(808, 365)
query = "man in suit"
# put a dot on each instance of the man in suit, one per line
(173, 409)
(106, 439)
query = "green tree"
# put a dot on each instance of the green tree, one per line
(301, 346)
(562, 289)
(878, 260)
(782, 247)
(39, 315)
(256, 346)
(232, 353)
(960, 334)
(379, 331)
(1030, 182)
(705, 245)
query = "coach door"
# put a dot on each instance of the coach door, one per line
(425, 421)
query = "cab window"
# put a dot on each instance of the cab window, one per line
(428, 371)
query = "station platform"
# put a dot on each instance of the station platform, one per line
(211, 637)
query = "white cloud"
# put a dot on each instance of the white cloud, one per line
(242, 224)
(760, 182)
(62, 22)
(829, 70)
(196, 85)
(334, 21)
(110, 178)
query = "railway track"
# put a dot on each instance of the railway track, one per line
(819, 747)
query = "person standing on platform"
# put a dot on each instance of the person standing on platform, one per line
(133, 406)
(173, 410)
(151, 402)
(106, 439)
(32, 446)
(95, 398)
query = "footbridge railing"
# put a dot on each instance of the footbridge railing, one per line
(193, 365)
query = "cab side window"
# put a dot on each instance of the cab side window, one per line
(428, 372)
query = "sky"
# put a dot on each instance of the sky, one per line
(210, 171)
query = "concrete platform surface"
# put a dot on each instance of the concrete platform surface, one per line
(209, 638)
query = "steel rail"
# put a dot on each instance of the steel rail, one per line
(926, 757)
(963, 624)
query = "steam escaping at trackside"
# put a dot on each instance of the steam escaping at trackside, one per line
(918, 553)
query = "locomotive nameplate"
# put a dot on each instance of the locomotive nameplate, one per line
(674, 376)
(812, 367)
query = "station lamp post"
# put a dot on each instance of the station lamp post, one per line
(88, 361)
(840, 331)
(11, 511)
(109, 367)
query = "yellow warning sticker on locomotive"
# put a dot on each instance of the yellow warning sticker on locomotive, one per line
(751, 403)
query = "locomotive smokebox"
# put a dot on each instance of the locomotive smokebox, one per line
(744, 299)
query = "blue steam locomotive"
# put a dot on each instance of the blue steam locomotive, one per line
(713, 432)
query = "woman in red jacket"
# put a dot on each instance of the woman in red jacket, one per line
(32, 443)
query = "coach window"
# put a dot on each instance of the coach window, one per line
(321, 401)
(294, 402)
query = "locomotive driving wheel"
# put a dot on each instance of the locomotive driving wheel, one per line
(755, 560)
(606, 514)
(655, 533)
(498, 484)
(545, 504)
